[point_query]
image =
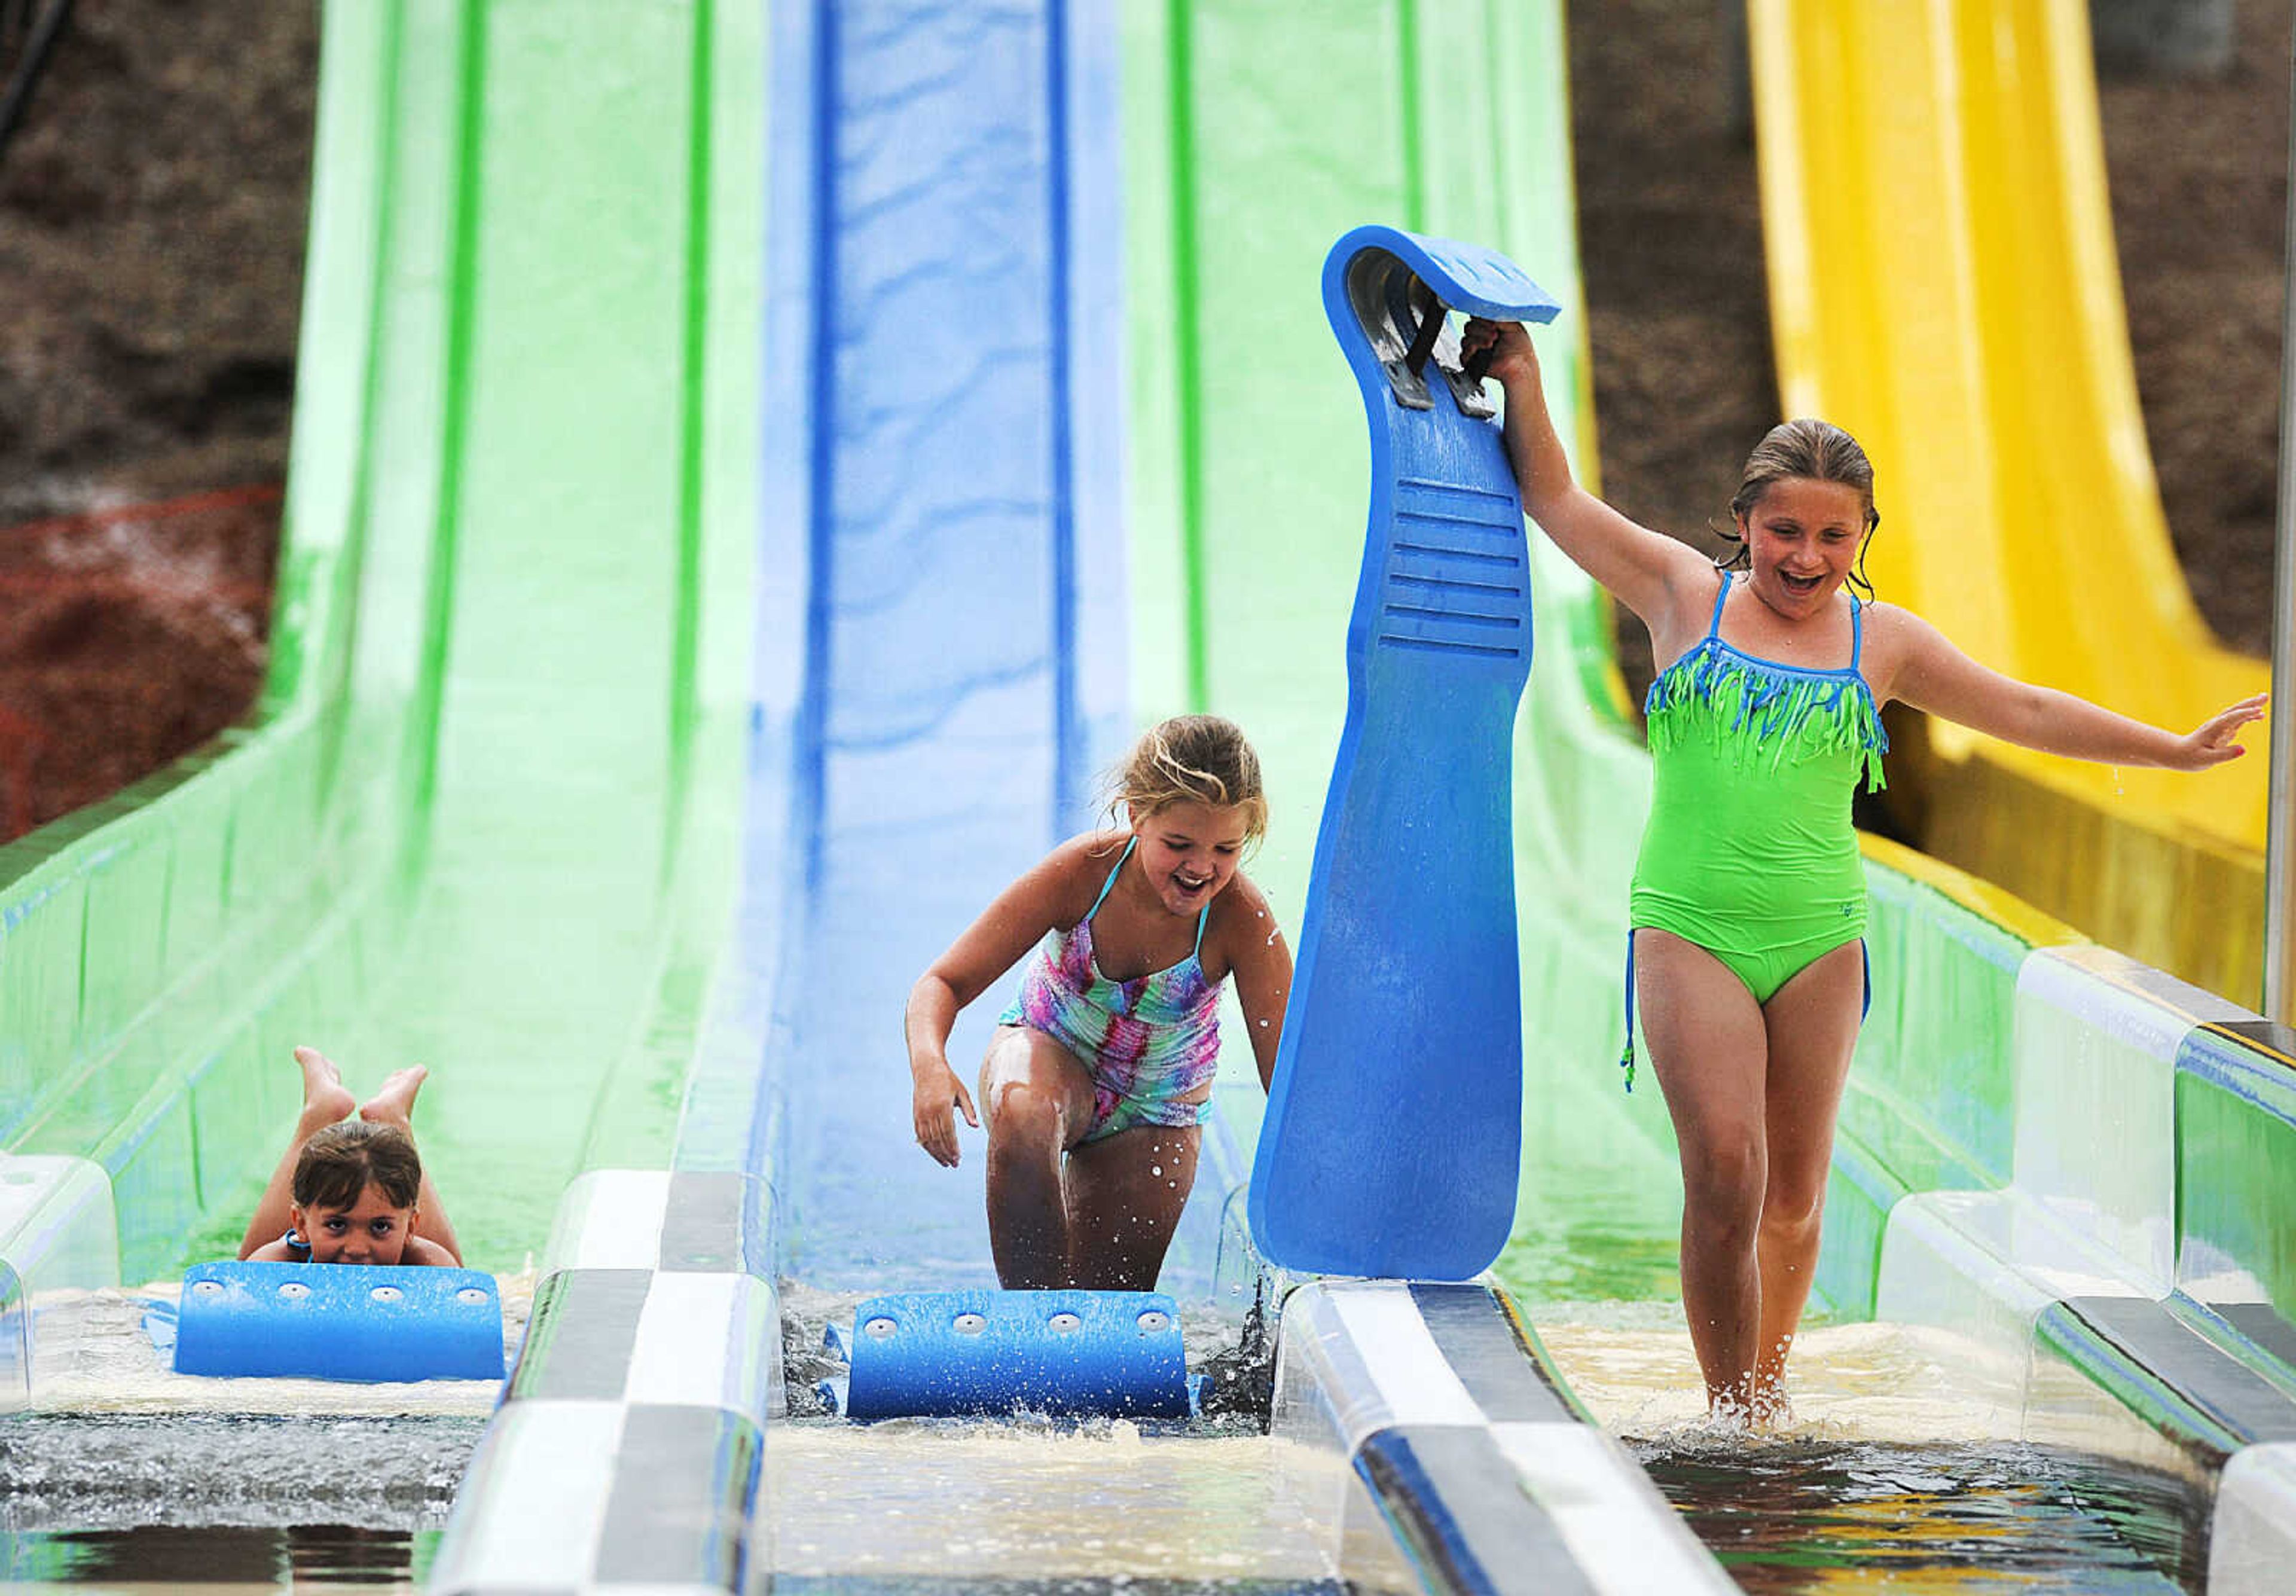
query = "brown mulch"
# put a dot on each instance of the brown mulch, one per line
(151, 220)
(128, 638)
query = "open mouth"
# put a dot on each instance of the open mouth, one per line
(1190, 885)
(1801, 586)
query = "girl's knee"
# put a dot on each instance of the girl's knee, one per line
(1793, 1204)
(1724, 1179)
(1024, 1115)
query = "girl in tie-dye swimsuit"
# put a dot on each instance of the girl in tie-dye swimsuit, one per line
(1101, 1067)
(1152, 1044)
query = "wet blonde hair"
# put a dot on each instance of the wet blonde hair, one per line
(1189, 759)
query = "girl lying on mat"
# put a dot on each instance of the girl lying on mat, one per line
(351, 1190)
(1101, 1072)
(1749, 901)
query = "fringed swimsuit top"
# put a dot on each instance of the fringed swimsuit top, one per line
(1750, 851)
(1729, 710)
(1148, 1043)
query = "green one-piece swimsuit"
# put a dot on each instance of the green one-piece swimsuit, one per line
(1750, 851)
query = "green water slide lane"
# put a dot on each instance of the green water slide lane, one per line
(1246, 157)
(484, 817)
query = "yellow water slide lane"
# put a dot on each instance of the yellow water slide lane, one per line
(1943, 283)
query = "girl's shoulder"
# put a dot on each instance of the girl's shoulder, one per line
(1076, 869)
(1890, 631)
(1239, 912)
(1091, 854)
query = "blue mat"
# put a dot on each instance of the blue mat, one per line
(335, 1321)
(943, 1353)
(1393, 1129)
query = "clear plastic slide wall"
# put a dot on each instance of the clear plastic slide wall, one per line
(1943, 283)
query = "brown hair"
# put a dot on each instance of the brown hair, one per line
(340, 1162)
(1191, 759)
(1817, 450)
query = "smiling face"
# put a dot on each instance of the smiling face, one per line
(1189, 852)
(372, 1231)
(1801, 539)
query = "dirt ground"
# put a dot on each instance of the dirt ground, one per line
(152, 214)
(152, 217)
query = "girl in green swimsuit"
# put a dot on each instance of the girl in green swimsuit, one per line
(1749, 903)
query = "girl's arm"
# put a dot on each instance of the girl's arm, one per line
(1015, 922)
(1261, 962)
(421, 1249)
(1932, 675)
(1647, 572)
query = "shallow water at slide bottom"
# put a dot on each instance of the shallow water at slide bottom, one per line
(1898, 1473)
(1207, 1504)
(128, 1476)
(1903, 1469)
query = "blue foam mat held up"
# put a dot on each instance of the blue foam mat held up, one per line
(337, 1322)
(1393, 1129)
(944, 1354)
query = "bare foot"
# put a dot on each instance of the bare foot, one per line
(394, 1105)
(1769, 1410)
(325, 1098)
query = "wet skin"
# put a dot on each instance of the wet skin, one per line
(371, 1230)
(1802, 537)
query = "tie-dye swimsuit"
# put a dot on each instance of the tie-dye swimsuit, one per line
(1146, 1043)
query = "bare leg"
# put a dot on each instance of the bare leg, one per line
(1036, 1100)
(1812, 1020)
(1125, 1192)
(1710, 1050)
(394, 1105)
(325, 1101)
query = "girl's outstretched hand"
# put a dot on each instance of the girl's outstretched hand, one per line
(939, 1095)
(1513, 359)
(2214, 742)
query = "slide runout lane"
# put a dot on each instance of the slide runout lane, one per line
(945, 739)
(497, 587)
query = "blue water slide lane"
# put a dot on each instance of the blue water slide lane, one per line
(960, 599)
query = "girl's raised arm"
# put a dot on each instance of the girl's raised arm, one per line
(1015, 921)
(1930, 674)
(1649, 572)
